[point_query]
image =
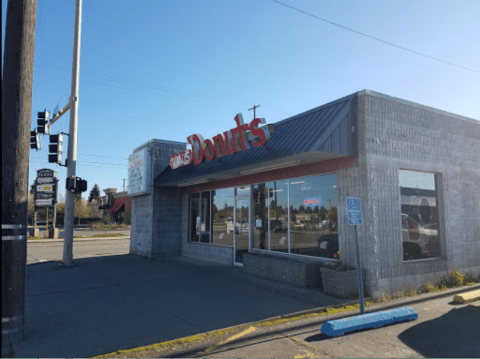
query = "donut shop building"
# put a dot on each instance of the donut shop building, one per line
(271, 196)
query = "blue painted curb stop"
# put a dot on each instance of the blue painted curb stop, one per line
(334, 328)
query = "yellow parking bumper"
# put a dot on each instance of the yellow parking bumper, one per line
(467, 297)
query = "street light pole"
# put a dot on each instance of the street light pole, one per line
(72, 139)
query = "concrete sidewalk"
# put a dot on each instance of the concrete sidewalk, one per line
(104, 304)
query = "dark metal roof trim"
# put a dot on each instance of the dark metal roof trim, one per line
(321, 133)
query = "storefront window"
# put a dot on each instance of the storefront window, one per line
(194, 220)
(222, 212)
(260, 213)
(297, 216)
(313, 216)
(205, 217)
(279, 216)
(419, 215)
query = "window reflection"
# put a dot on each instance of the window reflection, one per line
(419, 215)
(222, 213)
(313, 216)
(297, 216)
(278, 201)
(260, 213)
(205, 220)
(194, 218)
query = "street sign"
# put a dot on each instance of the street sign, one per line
(45, 188)
(354, 211)
(55, 110)
(41, 180)
(46, 172)
(44, 202)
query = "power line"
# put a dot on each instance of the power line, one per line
(124, 84)
(90, 164)
(375, 38)
(120, 158)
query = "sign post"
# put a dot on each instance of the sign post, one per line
(355, 218)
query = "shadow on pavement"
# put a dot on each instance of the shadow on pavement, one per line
(104, 304)
(458, 332)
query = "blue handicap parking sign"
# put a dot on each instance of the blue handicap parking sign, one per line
(354, 211)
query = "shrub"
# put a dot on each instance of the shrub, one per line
(96, 225)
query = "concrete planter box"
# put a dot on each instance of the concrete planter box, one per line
(286, 270)
(340, 284)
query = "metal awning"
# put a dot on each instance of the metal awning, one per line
(322, 133)
(119, 202)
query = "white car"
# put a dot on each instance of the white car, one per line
(418, 241)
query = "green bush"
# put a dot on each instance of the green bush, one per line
(101, 225)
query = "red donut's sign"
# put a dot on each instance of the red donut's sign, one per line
(237, 139)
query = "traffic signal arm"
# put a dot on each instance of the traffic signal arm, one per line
(60, 113)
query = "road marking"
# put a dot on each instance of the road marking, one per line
(306, 354)
(239, 335)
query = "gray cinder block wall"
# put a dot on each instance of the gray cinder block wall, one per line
(394, 135)
(156, 228)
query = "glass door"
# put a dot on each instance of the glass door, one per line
(241, 233)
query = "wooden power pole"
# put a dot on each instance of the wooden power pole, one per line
(16, 122)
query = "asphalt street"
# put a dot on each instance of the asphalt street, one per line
(52, 250)
(443, 329)
(87, 232)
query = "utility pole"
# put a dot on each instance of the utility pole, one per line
(253, 108)
(72, 140)
(16, 121)
(124, 184)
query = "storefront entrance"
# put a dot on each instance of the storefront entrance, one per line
(241, 233)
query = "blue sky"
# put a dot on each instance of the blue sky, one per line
(168, 69)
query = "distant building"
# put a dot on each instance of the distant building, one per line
(119, 205)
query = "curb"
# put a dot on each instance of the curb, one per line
(305, 314)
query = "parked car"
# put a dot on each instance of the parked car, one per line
(419, 241)
(328, 245)
(276, 225)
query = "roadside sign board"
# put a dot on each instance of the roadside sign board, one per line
(45, 188)
(46, 172)
(44, 202)
(354, 211)
(41, 180)
(139, 172)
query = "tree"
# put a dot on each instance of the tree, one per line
(94, 211)
(94, 194)
(82, 210)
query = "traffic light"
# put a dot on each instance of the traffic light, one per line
(81, 185)
(71, 184)
(35, 140)
(76, 184)
(55, 148)
(42, 122)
